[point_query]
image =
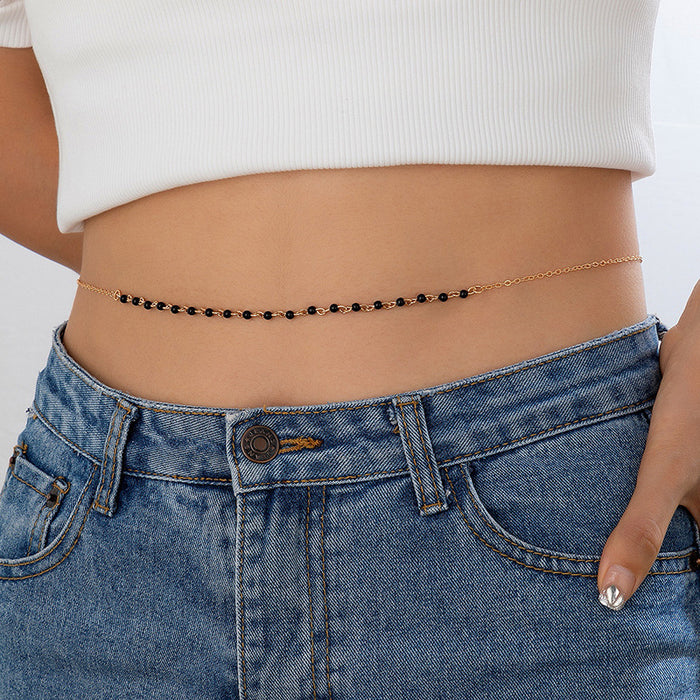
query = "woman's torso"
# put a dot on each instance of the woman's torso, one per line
(287, 240)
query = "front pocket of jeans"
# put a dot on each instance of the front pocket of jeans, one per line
(552, 504)
(44, 504)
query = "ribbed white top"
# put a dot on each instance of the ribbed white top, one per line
(153, 95)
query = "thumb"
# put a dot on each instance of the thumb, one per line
(634, 544)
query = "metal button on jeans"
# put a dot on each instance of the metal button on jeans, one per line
(260, 443)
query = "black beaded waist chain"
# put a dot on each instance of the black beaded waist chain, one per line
(125, 298)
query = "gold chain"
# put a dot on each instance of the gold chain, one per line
(117, 295)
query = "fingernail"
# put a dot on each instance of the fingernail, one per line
(618, 581)
(612, 598)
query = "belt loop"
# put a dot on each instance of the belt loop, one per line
(111, 468)
(418, 450)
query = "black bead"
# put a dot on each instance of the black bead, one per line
(208, 312)
(147, 304)
(378, 304)
(174, 308)
(135, 301)
(442, 296)
(227, 313)
(123, 298)
(400, 301)
(333, 308)
(311, 309)
(356, 307)
(160, 305)
(246, 314)
(463, 293)
(421, 298)
(289, 314)
(267, 314)
(191, 310)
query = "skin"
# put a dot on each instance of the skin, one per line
(290, 239)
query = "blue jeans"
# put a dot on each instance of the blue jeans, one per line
(441, 543)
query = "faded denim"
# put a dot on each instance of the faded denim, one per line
(437, 544)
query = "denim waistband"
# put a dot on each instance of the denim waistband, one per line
(421, 430)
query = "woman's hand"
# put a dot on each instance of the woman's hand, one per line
(669, 473)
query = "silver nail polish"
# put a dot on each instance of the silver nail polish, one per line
(612, 598)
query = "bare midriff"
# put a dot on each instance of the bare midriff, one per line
(288, 240)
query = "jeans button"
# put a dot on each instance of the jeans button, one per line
(260, 443)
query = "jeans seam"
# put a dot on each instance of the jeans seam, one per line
(68, 529)
(240, 593)
(325, 603)
(308, 581)
(547, 430)
(542, 554)
(413, 457)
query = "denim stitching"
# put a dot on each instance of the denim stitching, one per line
(97, 504)
(542, 432)
(444, 461)
(26, 483)
(675, 556)
(325, 605)
(349, 408)
(550, 571)
(92, 458)
(31, 533)
(299, 443)
(45, 524)
(413, 457)
(308, 581)
(82, 495)
(329, 478)
(58, 433)
(459, 386)
(175, 476)
(427, 459)
(507, 539)
(240, 590)
(49, 511)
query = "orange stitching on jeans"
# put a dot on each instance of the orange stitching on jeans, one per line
(308, 580)
(528, 566)
(54, 429)
(82, 525)
(550, 571)
(31, 533)
(413, 457)
(19, 478)
(299, 443)
(507, 539)
(97, 503)
(427, 459)
(325, 605)
(240, 591)
(293, 481)
(542, 432)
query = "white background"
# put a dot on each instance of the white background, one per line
(36, 294)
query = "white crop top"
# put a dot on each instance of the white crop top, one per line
(151, 95)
